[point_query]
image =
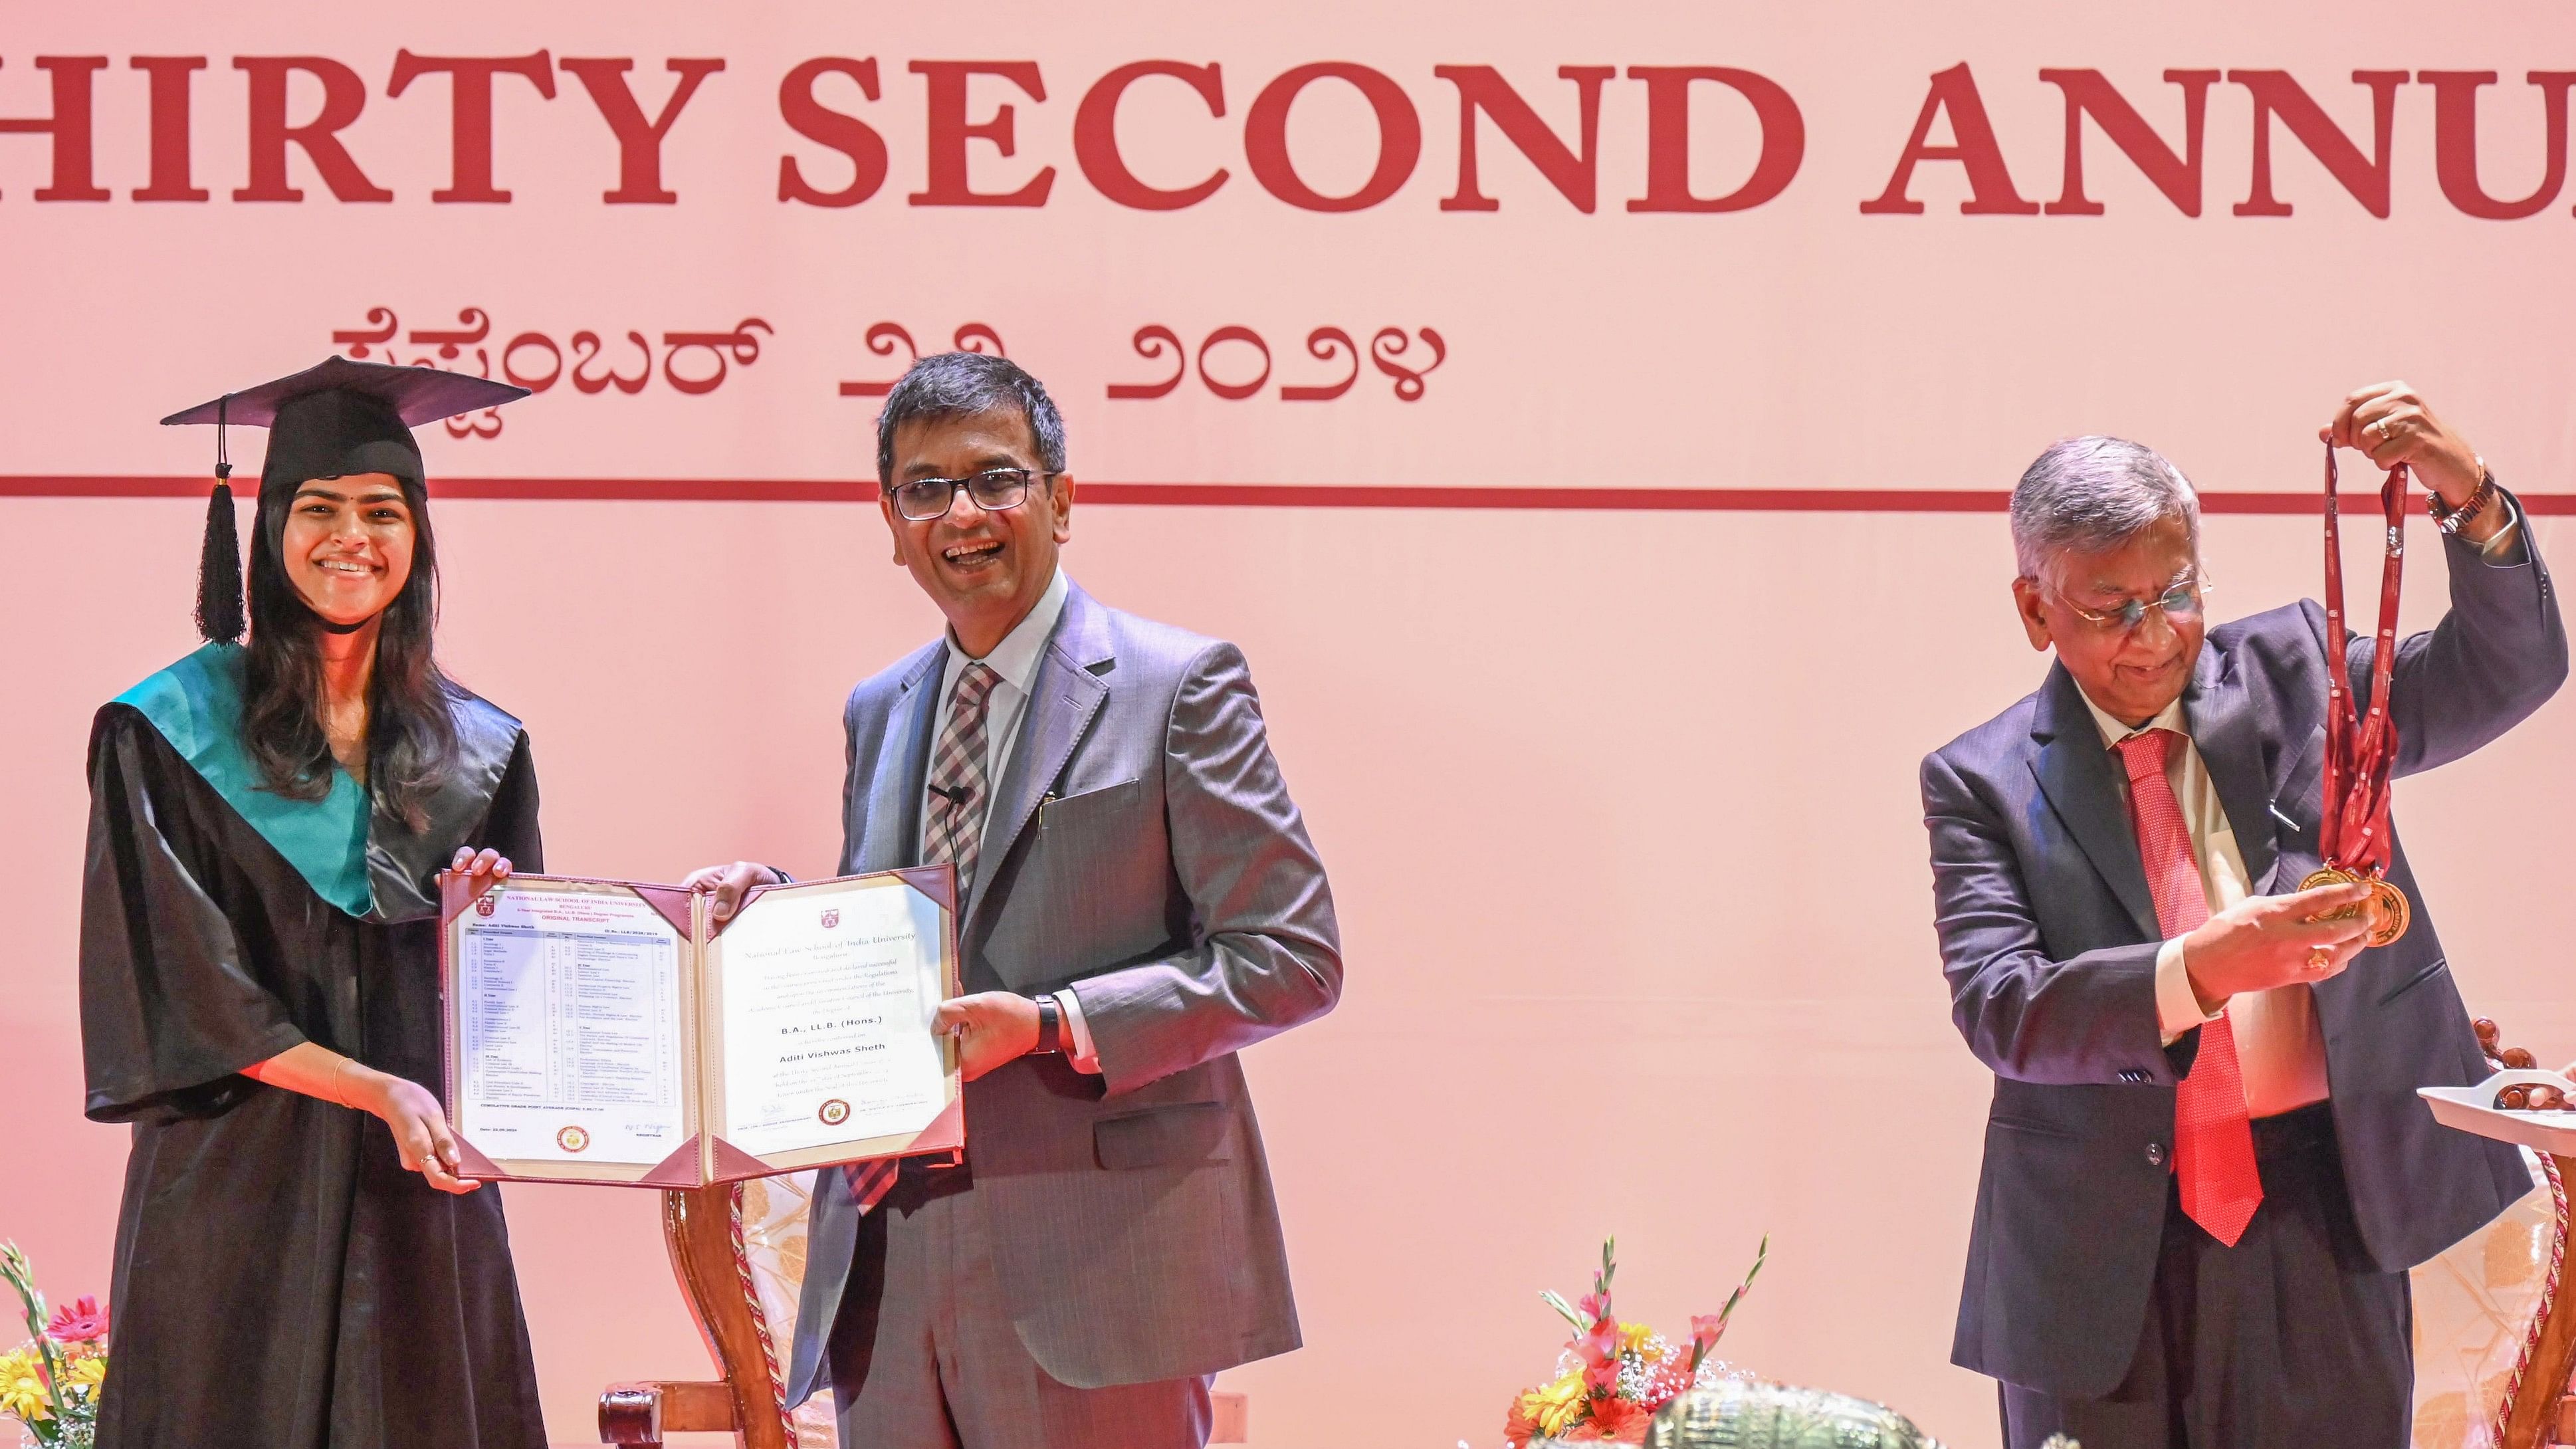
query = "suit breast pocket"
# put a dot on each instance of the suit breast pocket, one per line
(1066, 817)
(1088, 839)
(1102, 861)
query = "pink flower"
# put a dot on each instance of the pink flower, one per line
(1595, 1306)
(1603, 1342)
(1599, 1351)
(81, 1322)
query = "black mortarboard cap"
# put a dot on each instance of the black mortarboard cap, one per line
(334, 420)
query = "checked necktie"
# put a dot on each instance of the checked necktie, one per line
(2213, 1136)
(955, 829)
(953, 832)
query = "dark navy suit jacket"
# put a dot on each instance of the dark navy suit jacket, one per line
(2049, 938)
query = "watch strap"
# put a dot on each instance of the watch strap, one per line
(1050, 1026)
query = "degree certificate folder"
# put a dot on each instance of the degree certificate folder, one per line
(614, 1032)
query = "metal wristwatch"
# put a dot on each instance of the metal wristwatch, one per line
(2449, 519)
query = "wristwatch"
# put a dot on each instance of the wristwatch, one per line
(1050, 1027)
(2450, 519)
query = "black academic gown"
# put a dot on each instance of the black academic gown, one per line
(280, 1280)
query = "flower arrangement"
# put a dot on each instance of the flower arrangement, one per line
(50, 1384)
(1612, 1377)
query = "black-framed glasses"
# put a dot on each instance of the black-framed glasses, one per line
(993, 490)
(2182, 601)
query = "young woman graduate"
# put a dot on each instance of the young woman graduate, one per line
(259, 965)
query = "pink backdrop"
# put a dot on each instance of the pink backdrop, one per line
(1619, 802)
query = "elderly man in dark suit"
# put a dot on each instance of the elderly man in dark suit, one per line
(1139, 903)
(2206, 1168)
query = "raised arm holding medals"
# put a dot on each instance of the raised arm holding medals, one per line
(2207, 1171)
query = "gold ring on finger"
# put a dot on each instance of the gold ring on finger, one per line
(2319, 958)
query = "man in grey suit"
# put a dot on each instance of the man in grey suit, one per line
(2206, 1168)
(1139, 902)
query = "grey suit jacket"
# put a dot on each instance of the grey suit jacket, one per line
(2048, 938)
(1142, 851)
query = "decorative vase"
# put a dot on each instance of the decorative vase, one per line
(1741, 1415)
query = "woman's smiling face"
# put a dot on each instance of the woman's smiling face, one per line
(347, 545)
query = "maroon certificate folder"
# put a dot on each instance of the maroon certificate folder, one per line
(614, 1032)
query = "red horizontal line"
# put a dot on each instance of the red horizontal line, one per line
(1226, 495)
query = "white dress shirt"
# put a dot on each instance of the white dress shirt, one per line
(2279, 1047)
(1016, 660)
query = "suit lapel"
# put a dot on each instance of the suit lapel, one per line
(1063, 700)
(894, 793)
(2074, 770)
(2227, 728)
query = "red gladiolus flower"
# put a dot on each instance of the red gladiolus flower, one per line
(1599, 1351)
(1595, 1306)
(80, 1322)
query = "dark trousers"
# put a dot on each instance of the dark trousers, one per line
(2290, 1338)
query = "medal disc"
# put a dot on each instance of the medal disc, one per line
(2389, 913)
(2385, 907)
(2327, 875)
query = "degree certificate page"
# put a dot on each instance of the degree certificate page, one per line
(827, 1003)
(572, 1035)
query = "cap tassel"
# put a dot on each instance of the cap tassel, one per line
(219, 570)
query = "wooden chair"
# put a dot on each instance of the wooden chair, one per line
(739, 1252)
(2495, 1330)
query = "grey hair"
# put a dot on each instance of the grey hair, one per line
(2093, 493)
(962, 384)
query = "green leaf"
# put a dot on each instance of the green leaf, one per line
(1565, 1310)
(1761, 1255)
(14, 1267)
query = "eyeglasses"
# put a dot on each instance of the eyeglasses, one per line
(993, 490)
(2182, 601)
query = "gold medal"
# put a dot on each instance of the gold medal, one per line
(2326, 875)
(2389, 913)
(2385, 906)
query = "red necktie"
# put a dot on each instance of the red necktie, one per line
(2213, 1137)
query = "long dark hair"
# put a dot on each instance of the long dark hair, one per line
(411, 735)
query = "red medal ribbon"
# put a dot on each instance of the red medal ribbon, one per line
(2361, 749)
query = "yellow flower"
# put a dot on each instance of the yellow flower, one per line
(88, 1372)
(1555, 1406)
(22, 1388)
(1633, 1336)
